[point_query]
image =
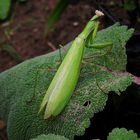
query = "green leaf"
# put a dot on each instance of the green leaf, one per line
(122, 134)
(130, 5)
(4, 8)
(55, 14)
(22, 89)
(12, 52)
(50, 137)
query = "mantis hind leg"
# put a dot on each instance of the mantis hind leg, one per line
(103, 90)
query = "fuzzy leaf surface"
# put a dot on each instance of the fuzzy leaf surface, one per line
(122, 134)
(49, 137)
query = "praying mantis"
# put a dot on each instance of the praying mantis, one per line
(64, 82)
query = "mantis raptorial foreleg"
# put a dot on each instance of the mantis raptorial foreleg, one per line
(90, 40)
(99, 45)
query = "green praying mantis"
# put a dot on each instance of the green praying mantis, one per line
(64, 82)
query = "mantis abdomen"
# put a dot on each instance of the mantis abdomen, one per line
(64, 81)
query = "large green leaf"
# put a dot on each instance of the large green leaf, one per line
(4, 8)
(22, 89)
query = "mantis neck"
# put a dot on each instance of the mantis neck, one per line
(91, 25)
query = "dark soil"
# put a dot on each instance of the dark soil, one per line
(25, 29)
